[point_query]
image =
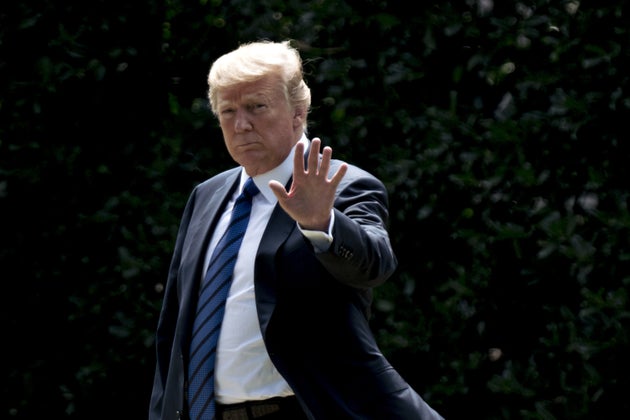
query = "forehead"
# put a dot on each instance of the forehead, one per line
(267, 88)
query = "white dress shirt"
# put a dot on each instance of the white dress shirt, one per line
(243, 369)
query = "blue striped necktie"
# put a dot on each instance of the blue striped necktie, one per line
(211, 306)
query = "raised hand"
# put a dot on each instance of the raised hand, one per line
(312, 193)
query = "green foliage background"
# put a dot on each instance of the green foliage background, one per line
(497, 127)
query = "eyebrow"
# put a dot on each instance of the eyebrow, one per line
(253, 97)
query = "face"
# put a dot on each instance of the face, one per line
(259, 127)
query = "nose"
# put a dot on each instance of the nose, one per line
(241, 122)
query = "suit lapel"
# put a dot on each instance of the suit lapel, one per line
(279, 228)
(210, 198)
(211, 201)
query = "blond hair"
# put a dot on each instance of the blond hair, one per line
(253, 61)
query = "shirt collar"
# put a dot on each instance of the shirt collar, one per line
(281, 173)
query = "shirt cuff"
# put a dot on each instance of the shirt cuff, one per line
(320, 240)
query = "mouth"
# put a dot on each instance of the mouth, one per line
(247, 145)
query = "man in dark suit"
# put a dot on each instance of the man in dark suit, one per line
(294, 339)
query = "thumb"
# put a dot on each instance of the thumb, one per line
(278, 189)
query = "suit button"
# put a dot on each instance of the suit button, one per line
(345, 252)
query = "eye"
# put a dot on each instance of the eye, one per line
(227, 111)
(256, 107)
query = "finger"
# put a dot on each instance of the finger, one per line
(338, 176)
(324, 165)
(298, 160)
(278, 190)
(313, 155)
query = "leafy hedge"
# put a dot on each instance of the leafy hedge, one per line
(498, 129)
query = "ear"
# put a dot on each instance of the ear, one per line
(298, 117)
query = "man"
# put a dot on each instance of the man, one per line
(294, 338)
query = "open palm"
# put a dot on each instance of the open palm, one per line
(312, 194)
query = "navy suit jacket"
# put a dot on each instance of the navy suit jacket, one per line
(313, 308)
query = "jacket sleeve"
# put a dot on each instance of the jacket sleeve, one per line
(361, 254)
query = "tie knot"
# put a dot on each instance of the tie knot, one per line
(250, 189)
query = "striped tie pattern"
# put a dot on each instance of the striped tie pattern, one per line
(211, 306)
